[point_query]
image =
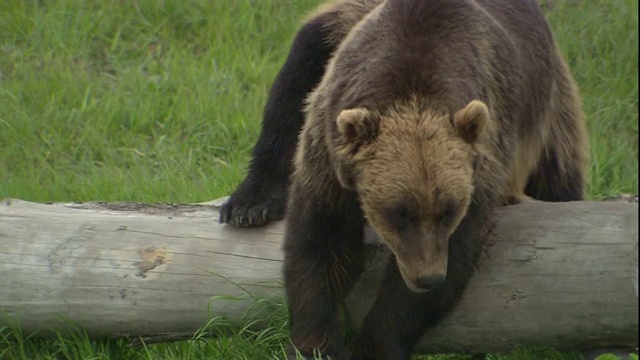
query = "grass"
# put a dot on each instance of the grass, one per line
(161, 101)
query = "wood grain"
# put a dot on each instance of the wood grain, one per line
(558, 275)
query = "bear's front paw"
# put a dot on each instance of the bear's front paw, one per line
(254, 206)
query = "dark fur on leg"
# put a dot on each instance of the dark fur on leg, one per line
(551, 184)
(561, 173)
(399, 317)
(262, 196)
(323, 259)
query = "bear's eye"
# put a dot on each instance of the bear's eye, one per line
(476, 162)
(449, 212)
(402, 215)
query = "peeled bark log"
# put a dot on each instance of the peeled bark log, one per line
(560, 275)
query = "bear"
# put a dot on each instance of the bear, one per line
(418, 118)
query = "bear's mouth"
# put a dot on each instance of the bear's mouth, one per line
(410, 284)
(415, 289)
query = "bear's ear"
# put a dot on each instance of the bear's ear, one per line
(471, 121)
(357, 127)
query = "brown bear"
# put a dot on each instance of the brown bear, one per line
(423, 116)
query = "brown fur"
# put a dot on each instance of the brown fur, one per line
(524, 150)
(343, 16)
(430, 114)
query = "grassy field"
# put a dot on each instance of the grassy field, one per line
(161, 101)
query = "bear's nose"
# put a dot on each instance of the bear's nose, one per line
(431, 282)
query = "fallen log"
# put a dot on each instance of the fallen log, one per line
(560, 275)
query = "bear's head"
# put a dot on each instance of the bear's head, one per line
(414, 174)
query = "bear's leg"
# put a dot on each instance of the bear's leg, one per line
(323, 250)
(262, 196)
(561, 173)
(551, 183)
(399, 317)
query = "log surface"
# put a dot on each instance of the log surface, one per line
(558, 275)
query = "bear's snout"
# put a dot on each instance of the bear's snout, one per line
(431, 282)
(423, 259)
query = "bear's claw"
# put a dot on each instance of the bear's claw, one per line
(242, 212)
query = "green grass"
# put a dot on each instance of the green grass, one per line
(161, 101)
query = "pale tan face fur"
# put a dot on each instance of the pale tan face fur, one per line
(415, 181)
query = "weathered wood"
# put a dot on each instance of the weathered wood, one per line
(557, 275)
